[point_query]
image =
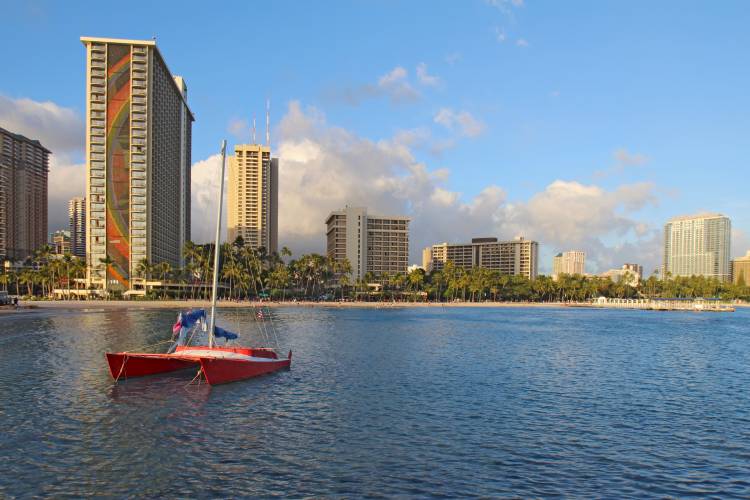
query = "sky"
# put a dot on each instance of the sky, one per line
(582, 125)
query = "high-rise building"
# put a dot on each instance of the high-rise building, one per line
(374, 244)
(77, 219)
(697, 245)
(252, 197)
(741, 270)
(60, 242)
(514, 257)
(24, 166)
(570, 262)
(138, 142)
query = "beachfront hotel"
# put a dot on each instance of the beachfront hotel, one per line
(570, 262)
(252, 197)
(77, 226)
(698, 245)
(514, 257)
(24, 167)
(631, 273)
(138, 133)
(741, 269)
(374, 244)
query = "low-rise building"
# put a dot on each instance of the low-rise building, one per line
(513, 257)
(631, 273)
(60, 241)
(741, 269)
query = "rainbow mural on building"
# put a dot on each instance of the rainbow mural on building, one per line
(118, 163)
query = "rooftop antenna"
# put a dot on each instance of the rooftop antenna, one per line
(254, 130)
(268, 122)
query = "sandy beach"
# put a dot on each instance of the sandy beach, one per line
(189, 304)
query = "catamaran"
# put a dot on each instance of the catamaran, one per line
(195, 341)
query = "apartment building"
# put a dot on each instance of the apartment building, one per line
(77, 223)
(698, 245)
(513, 257)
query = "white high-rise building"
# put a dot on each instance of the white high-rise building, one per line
(138, 142)
(570, 262)
(252, 197)
(77, 220)
(371, 243)
(698, 245)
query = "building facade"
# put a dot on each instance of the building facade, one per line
(77, 223)
(138, 143)
(631, 273)
(698, 246)
(24, 167)
(374, 244)
(741, 270)
(513, 257)
(570, 262)
(252, 197)
(60, 242)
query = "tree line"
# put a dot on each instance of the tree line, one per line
(247, 273)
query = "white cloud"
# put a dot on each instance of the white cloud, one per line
(66, 180)
(500, 34)
(204, 200)
(623, 159)
(59, 129)
(393, 85)
(521, 42)
(505, 5)
(240, 129)
(323, 168)
(462, 120)
(453, 58)
(425, 78)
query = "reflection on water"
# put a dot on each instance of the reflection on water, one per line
(386, 402)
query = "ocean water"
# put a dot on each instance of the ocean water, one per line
(382, 403)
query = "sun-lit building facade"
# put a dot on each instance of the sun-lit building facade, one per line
(698, 245)
(138, 142)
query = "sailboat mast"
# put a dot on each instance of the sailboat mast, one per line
(217, 248)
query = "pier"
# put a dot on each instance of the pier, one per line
(659, 304)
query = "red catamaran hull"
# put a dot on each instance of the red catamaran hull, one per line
(221, 371)
(126, 365)
(215, 370)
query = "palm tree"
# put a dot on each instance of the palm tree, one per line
(164, 268)
(105, 263)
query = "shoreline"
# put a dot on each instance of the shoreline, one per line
(27, 306)
(193, 304)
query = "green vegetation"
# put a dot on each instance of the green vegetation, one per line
(250, 274)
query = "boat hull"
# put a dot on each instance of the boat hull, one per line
(127, 365)
(221, 371)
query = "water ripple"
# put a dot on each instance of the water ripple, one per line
(383, 403)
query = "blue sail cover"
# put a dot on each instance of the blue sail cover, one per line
(191, 317)
(220, 332)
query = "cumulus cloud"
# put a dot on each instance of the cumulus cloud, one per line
(67, 179)
(393, 85)
(324, 168)
(500, 34)
(461, 120)
(622, 160)
(59, 129)
(240, 129)
(204, 199)
(425, 78)
(452, 58)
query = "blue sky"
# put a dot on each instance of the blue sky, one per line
(646, 102)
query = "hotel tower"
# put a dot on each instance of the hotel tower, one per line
(138, 128)
(698, 245)
(252, 197)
